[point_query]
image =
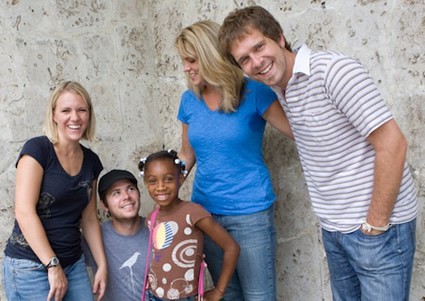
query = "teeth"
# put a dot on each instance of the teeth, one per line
(161, 196)
(267, 70)
(74, 127)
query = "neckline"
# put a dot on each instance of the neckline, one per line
(63, 169)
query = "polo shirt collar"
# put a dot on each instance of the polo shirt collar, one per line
(302, 60)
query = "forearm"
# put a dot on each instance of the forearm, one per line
(35, 235)
(277, 119)
(92, 235)
(388, 173)
(187, 153)
(230, 259)
(188, 160)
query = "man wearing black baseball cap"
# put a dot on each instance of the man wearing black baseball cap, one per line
(125, 236)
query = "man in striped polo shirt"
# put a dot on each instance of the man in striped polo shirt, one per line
(352, 152)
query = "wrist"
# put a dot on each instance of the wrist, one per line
(220, 291)
(53, 262)
(366, 227)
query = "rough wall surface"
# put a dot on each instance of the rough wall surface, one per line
(122, 51)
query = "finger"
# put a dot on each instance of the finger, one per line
(101, 290)
(58, 295)
(95, 288)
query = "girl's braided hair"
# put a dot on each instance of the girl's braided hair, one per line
(163, 154)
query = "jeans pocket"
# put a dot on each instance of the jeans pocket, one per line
(24, 265)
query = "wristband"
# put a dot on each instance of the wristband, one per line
(368, 227)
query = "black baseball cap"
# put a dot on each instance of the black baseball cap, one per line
(108, 179)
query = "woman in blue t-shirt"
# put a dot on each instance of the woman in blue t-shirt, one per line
(55, 198)
(223, 116)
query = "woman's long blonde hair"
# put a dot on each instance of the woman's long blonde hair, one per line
(200, 42)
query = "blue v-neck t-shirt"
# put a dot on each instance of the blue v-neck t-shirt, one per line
(231, 175)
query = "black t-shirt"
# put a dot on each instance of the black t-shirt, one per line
(61, 202)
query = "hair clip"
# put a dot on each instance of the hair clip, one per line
(142, 166)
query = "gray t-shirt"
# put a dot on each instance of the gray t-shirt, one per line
(126, 256)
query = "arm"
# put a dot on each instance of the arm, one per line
(91, 231)
(277, 118)
(28, 182)
(391, 147)
(186, 151)
(231, 253)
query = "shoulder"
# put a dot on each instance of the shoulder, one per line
(92, 159)
(106, 226)
(252, 86)
(330, 58)
(195, 209)
(88, 152)
(107, 229)
(40, 148)
(258, 94)
(38, 142)
(189, 95)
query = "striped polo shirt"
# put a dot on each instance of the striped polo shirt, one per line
(333, 105)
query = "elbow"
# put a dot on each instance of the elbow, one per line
(22, 214)
(403, 144)
(236, 249)
(401, 150)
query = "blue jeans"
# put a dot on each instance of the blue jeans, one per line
(27, 280)
(254, 278)
(371, 268)
(152, 297)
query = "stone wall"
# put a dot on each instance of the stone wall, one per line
(122, 52)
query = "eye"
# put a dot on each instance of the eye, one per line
(151, 181)
(259, 47)
(243, 60)
(169, 179)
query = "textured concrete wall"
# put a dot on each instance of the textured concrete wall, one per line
(122, 52)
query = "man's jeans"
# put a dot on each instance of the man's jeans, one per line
(371, 267)
(254, 278)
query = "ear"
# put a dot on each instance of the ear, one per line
(181, 179)
(103, 206)
(282, 41)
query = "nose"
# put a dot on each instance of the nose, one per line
(126, 194)
(186, 67)
(160, 185)
(74, 115)
(256, 60)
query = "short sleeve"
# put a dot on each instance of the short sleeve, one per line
(38, 148)
(184, 103)
(197, 212)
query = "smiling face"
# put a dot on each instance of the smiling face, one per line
(163, 179)
(191, 68)
(263, 59)
(123, 200)
(71, 115)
